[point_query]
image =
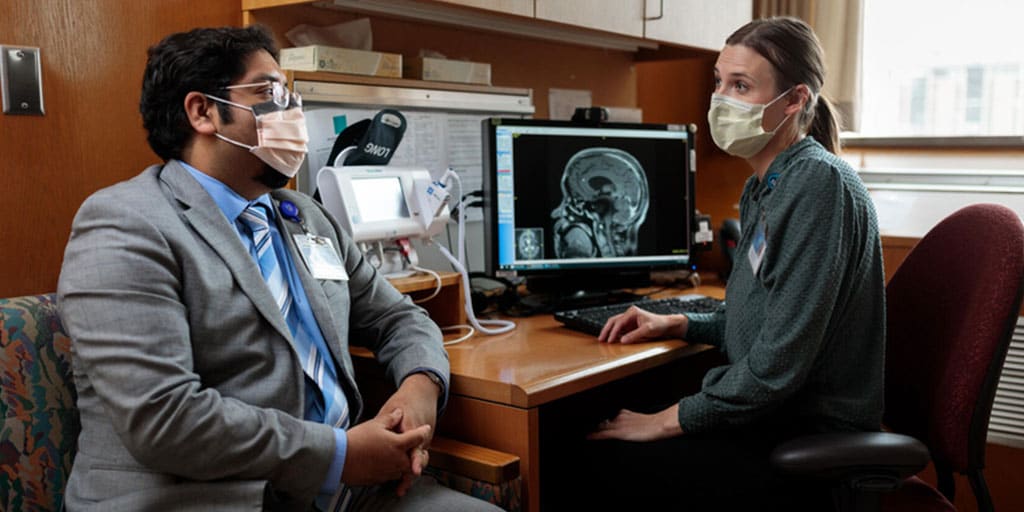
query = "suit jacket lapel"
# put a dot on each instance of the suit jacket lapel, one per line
(205, 217)
(314, 292)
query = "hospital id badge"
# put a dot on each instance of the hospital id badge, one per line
(757, 246)
(320, 257)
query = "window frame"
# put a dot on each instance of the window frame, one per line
(856, 140)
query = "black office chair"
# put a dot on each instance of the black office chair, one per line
(729, 236)
(952, 307)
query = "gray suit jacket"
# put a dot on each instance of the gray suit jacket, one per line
(190, 394)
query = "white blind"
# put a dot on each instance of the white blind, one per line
(1007, 423)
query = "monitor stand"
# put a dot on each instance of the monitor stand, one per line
(559, 293)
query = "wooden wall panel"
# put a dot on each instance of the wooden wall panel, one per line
(679, 91)
(93, 54)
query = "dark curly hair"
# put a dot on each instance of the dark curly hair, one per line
(204, 60)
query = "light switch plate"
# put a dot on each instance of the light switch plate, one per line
(21, 80)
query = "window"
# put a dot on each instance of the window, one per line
(939, 68)
(942, 81)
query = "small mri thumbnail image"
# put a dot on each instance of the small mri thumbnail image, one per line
(529, 243)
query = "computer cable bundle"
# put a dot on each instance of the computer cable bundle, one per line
(499, 326)
(437, 279)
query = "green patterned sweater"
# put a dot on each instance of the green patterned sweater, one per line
(805, 334)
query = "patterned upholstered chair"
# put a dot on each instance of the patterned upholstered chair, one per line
(39, 428)
(487, 474)
(40, 424)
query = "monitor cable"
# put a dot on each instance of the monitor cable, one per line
(437, 280)
(403, 247)
(498, 326)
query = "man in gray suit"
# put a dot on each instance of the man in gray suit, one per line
(211, 314)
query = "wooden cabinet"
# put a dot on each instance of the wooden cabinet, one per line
(625, 17)
(696, 23)
(515, 7)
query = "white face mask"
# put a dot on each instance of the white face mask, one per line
(281, 136)
(736, 125)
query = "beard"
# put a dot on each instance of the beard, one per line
(272, 178)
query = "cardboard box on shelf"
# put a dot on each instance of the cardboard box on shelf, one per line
(341, 60)
(444, 70)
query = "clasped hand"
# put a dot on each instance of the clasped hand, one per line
(393, 445)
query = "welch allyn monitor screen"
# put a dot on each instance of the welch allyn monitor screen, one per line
(566, 199)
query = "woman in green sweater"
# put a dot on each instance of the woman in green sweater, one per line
(803, 328)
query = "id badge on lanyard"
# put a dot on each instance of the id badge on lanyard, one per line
(320, 257)
(758, 244)
(317, 251)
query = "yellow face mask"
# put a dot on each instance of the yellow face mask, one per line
(736, 125)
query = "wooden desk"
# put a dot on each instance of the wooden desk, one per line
(541, 361)
(511, 392)
(526, 391)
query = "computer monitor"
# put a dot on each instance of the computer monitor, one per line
(581, 207)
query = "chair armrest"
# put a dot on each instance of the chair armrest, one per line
(476, 462)
(846, 455)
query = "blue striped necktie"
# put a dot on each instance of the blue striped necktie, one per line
(319, 369)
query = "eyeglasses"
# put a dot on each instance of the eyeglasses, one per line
(279, 94)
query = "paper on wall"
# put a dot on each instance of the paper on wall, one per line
(433, 140)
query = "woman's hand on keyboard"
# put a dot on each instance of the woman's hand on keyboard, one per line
(636, 325)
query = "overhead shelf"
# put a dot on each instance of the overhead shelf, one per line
(401, 92)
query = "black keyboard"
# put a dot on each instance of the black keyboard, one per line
(591, 319)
